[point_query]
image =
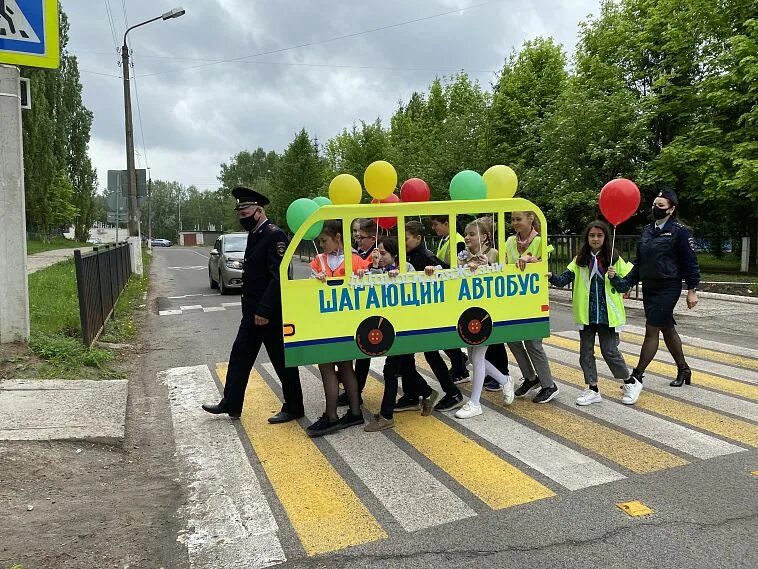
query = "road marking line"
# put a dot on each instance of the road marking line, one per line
(735, 429)
(228, 521)
(488, 477)
(700, 378)
(228, 304)
(703, 353)
(324, 511)
(415, 498)
(692, 394)
(183, 296)
(169, 312)
(214, 309)
(633, 454)
(642, 424)
(700, 343)
(192, 307)
(564, 465)
(634, 509)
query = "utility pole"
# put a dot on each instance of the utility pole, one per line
(131, 174)
(149, 210)
(14, 300)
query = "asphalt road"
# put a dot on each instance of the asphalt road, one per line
(525, 486)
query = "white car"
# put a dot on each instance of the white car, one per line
(225, 262)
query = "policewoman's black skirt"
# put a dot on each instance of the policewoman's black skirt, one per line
(659, 299)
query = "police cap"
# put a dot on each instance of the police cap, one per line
(670, 195)
(246, 197)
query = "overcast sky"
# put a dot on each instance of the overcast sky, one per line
(197, 114)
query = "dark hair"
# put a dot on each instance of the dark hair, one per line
(390, 244)
(441, 218)
(585, 252)
(415, 228)
(332, 228)
(368, 224)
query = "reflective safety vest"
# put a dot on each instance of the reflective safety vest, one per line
(511, 249)
(613, 299)
(443, 250)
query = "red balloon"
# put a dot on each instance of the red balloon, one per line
(387, 222)
(619, 200)
(415, 190)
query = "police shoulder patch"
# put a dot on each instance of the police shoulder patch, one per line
(281, 247)
(691, 241)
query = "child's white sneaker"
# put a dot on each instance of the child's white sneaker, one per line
(588, 398)
(468, 410)
(508, 390)
(631, 392)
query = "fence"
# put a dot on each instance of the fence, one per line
(100, 278)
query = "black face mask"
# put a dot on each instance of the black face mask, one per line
(659, 213)
(248, 223)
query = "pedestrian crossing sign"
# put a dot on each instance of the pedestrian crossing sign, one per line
(29, 33)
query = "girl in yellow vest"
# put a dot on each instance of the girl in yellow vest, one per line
(598, 305)
(522, 248)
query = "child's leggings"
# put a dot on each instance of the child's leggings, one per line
(482, 368)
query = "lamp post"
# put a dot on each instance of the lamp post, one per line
(134, 213)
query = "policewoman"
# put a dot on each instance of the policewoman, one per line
(261, 312)
(665, 257)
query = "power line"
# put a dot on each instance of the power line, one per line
(110, 22)
(98, 73)
(332, 39)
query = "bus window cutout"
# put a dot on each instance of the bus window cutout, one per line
(379, 314)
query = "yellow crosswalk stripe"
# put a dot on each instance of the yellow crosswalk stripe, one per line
(702, 353)
(735, 429)
(487, 476)
(631, 453)
(669, 370)
(324, 511)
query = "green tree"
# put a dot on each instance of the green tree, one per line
(300, 173)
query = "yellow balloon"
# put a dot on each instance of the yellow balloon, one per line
(345, 189)
(501, 182)
(380, 179)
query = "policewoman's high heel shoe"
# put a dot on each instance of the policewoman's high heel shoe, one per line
(683, 376)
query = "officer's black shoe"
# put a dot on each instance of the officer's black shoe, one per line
(683, 377)
(324, 426)
(350, 420)
(219, 409)
(283, 417)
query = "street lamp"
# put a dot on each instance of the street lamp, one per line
(134, 213)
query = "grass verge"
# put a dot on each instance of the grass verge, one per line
(37, 246)
(55, 349)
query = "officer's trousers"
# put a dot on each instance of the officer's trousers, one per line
(242, 359)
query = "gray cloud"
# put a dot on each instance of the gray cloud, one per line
(196, 116)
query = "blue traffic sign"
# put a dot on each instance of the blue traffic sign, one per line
(29, 33)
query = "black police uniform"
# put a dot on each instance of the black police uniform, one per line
(261, 295)
(665, 256)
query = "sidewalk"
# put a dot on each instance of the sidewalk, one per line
(40, 261)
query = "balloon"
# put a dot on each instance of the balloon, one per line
(298, 212)
(322, 201)
(380, 179)
(619, 200)
(415, 190)
(501, 182)
(467, 185)
(345, 189)
(387, 222)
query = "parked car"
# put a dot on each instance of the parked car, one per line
(161, 243)
(225, 262)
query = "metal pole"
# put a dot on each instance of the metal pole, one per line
(118, 193)
(149, 211)
(14, 300)
(130, 171)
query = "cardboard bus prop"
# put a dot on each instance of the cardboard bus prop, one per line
(350, 318)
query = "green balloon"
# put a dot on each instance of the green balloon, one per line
(298, 212)
(322, 201)
(468, 185)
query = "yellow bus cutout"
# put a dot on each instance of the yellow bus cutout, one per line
(351, 318)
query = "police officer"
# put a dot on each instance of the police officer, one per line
(665, 256)
(261, 312)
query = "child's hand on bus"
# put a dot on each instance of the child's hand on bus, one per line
(361, 273)
(429, 271)
(393, 273)
(321, 277)
(549, 275)
(611, 272)
(521, 263)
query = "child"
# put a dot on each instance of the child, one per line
(422, 259)
(598, 306)
(329, 264)
(384, 260)
(522, 248)
(479, 251)
(441, 226)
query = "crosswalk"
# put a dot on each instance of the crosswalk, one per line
(307, 497)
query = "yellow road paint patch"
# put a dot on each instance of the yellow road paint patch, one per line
(324, 511)
(702, 353)
(635, 508)
(490, 478)
(669, 370)
(735, 429)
